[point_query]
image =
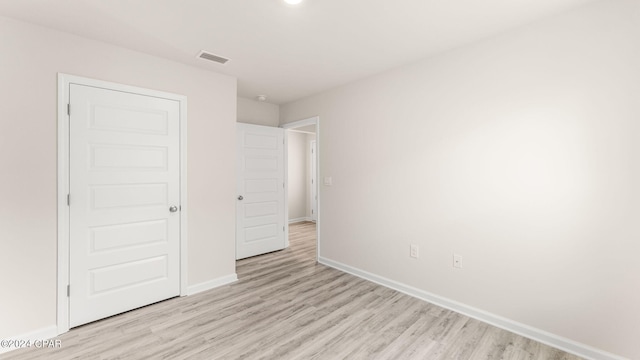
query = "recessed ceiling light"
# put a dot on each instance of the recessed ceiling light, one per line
(293, 2)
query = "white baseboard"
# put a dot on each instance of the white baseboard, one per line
(212, 284)
(43, 334)
(297, 220)
(559, 342)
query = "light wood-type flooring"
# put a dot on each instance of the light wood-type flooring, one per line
(285, 306)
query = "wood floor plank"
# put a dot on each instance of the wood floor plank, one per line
(287, 306)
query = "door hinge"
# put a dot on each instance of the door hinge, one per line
(283, 228)
(69, 109)
(68, 290)
(68, 199)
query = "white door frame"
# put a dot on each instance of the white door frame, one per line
(64, 82)
(292, 125)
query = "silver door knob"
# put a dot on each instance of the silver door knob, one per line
(240, 197)
(173, 209)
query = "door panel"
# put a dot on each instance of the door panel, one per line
(122, 236)
(260, 214)
(314, 182)
(120, 276)
(124, 176)
(108, 158)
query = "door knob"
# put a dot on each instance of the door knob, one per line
(173, 209)
(240, 197)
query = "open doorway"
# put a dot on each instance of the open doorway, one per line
(300, 175)
(302, 193)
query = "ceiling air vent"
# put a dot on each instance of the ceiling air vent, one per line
(212, 57)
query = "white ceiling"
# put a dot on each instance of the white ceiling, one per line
(287, 52)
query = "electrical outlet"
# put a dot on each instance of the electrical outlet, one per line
(457, 261)
(413, 251)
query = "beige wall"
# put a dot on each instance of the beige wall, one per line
(521, 153)
(258, 113)
(30, 59)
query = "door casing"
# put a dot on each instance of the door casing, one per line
(64, 81)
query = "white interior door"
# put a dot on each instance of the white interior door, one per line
(314, 185)
(124, 202)
(260, 215)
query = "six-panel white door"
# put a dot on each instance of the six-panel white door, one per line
(124, 178)
(260, 218)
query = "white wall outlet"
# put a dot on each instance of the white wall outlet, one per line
(328, 181)
(457, 261)
(414, 251)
